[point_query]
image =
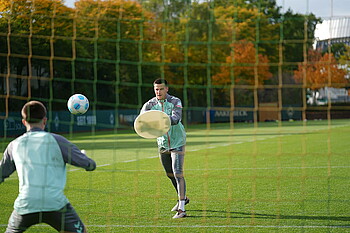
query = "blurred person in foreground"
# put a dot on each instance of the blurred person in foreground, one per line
(40, 158)
(171, 146)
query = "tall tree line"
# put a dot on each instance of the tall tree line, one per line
(112, 50)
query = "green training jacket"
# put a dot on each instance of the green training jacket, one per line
(172, 106)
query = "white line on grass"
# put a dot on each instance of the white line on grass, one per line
(70, 170)
(229, 144)
(202, 226)
(214, 226)
(134, 160)
(76, 169)
(247, 168)
(267, 168)
(232, 143)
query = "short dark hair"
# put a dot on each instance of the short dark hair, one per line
(160, 81)
(33, 112)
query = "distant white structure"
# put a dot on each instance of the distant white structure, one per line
(334, 95)
(332, 31)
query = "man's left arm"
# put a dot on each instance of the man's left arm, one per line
(176, 113)
(72, 155)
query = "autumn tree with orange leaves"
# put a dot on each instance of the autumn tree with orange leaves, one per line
(249, 68)
(29, 31)
(320, 71)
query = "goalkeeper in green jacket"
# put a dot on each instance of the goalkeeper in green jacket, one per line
(171, 145)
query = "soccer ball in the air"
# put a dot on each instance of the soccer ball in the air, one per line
(78, 104)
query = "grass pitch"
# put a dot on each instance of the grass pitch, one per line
(268, 177)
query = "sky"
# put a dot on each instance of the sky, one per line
(321, 8)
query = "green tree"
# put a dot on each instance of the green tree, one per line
(298, 33)
(338, 49)
(167, 10)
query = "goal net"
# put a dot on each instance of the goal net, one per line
(265, 95)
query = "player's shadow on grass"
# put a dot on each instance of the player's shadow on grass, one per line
(227, 214)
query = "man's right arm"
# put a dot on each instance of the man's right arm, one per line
(148, 105)
(144, 108)
(7, 165)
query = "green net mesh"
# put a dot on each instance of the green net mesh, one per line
(265, 102)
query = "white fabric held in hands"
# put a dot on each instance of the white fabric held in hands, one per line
(152, 124)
